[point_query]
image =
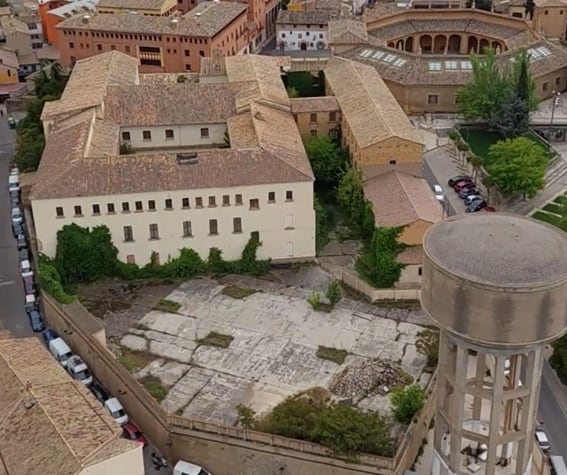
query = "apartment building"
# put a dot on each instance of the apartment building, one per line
(53, 424)
(160, 44)
(9, 67)
(20, 37)
(303, 30)
(51, 17)
(173, 165)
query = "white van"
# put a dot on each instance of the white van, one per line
(14, 183)
(60, 351)
(116, 410)
(186, 468)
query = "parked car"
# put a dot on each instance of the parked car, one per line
(18, 228)
(29, 284)
(542, 439)
(14, 183)
(116, 410)
(14, 198)
(21, 241)
(463, 184)
(99, 392)
(48, 335)
(17, 216)
(31, 303)
(23, 255)
(78, 370)
(471, 199)
(456, 179)
(36, 321)
(439, 194)
(468, 191)
(489, 209)
(476, 206)
(60, 351)
(26, 268)
(186, 468)
(131, 432)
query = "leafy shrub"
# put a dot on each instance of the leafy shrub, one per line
(154, 387)
(407, 402)
(314, 300)
(50, 281)
(427, 344)
(334, 293)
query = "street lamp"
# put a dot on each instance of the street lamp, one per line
(555, 95)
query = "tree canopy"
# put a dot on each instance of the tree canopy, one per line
(350, 196)
(327, 160)
(518, 166)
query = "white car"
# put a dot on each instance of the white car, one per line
(14, 182)
(439, 194)
(26, 268)
(186, 468)
(17, 216)
(542, 439)
(78, 370)
(116, 410)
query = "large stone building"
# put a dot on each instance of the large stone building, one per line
(303, 30)
(51, 423)
(213, 161)
(423, 54)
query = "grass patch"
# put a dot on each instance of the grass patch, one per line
(166, 305)
(154, 387)
(552, 219)
(562, 200)
(331, 354)
(216, 339)
(238, 292)
(133, 360)
(556, 208)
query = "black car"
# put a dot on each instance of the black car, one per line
(48, 335)
(99, 392)
(21, 242)
(456, 179)
(15, 198)
(18, 228)
(36, 321)
(23, 255)
(476, 206)
(468, 191)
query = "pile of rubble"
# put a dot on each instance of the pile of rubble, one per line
(364, 378)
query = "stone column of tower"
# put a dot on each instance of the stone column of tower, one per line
(496, 285)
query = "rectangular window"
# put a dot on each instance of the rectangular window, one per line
(138, 206)
(168, 203)
(213, 227)
(169, 134)
(201, 53)
(187, 53)
(204, 132)
(59, 212)
(130, 259)
(271, 197)
(110, 208)
(151, 205)
(313, 133)
(313, 118)
(187, 229)
(238, 199)
(185, 203)
(392, 162)
(78, 211)
(419, 271)
(290, 249)
(127, 49)
(254, 204)
(128, 234)
(545, 86)
(126, 136)
(237, 225)
(289, 195)
(96, 209)
(147, 135)
(199, 202)
(332, 116)
(226, 200)
(154, 231)
(125, 207)
(558, 80)
(99, 47)
(71, 45)
(288, 221)
(212, 202)
(433, 98)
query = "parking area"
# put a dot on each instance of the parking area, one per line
(273, 350)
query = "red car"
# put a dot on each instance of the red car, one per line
(490, 209)
(131, 432)
(463, 184)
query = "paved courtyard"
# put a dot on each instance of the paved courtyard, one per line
(276, 335)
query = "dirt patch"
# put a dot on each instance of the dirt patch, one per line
(121, 304)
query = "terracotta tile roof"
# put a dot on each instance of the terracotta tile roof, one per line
(131, 4)
(11, 25)
(167, 78)
(347, 31)
(313, 17)
(48, 420)
(73, 8)
(314, 104)
(205, 20)
(411, 255)
(81, 155)
(399, 199)
(372, 112)
(9, 58)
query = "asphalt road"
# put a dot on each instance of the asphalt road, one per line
(12, 314)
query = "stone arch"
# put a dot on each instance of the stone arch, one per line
(472, 44)
(409, 44)
(454, 44)
(391, 44)
(439, 44)
(400, 44)
(426, 43)
(496, 45)
(483, 45)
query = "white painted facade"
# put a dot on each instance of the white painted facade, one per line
(302, 37)
(130, 462)
(173, 135)
(286, 227)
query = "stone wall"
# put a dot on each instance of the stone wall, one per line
(350, 279)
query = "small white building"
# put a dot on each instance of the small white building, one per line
(303, 30)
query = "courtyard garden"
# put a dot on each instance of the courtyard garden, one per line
(554, 213)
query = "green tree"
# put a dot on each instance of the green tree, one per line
(351, 199)
(488, 183)
(558, 360)
(284, 4)
(327, 160)
(512, 119)
(525, 87)
(322, 227)
(246, 417)
(377, 262)
(427, 344)
(50, 82)
(476, 163)
(294, 417)
(406, 402)
(518, 166)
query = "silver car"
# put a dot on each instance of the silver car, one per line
(542, 439)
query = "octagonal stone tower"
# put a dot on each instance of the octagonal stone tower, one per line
(496, 285)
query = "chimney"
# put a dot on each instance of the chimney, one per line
(86, 19)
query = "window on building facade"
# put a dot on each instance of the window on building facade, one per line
(545, 86)
(312, 118)
(168, 203)
(212, 202)
(392, 162)
(138, 206)
(313, 133)
(130, 259)
(99, 47)
(127, 48)
(169, 134)
(126, 136)
(125, 207)
(213, 227)
(202, 53)
(332, 116)
(288, 221)
(237, 225)
(59, 212)
(78, 211)
(110, 208)
(71, 45)
(199, 202)
(433, 98)
(557, 80)
(154, 231)
(185, 203)
(128, 234)
(187, 52)
(96, 209)
(204, 132)
(226, 200)
(187, 229)
(289, 195)
(113, 47)
(147, 135)
(271, 197)
(151, 205)
(254, 203)
(238, 199)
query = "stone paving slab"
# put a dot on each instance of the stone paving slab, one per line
(272, 355)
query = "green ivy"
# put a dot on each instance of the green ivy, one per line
(50, 281)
